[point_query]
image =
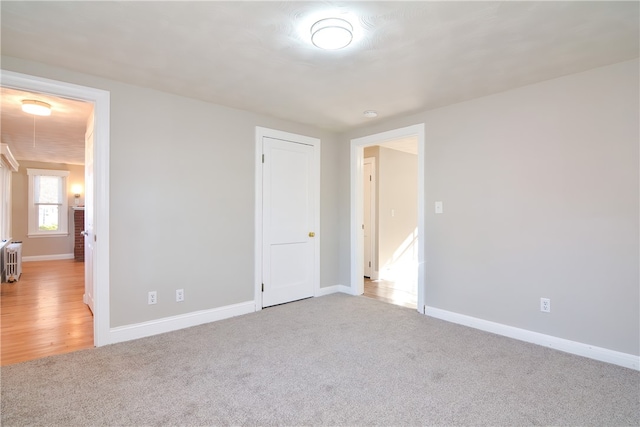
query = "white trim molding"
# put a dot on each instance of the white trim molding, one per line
(580, 349)
(52, 257)
(327, 290)
(7, 158)
(182, 321)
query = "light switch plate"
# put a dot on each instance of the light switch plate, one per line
(439, 207)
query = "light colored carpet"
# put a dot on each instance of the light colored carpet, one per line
(334, 360)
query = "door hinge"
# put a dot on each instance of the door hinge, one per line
(95, 238)
(370, 178)
(369, 263)
(263, 158)
(263, 287)
(363, 226)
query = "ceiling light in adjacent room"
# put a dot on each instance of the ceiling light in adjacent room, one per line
(370, 114)
(38, 108)
(331, 33)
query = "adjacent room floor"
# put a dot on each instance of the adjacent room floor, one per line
(43, 313)
(397, 293)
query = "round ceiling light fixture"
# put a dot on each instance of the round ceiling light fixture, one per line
(370, 114)
(37, 108)
(331, 33)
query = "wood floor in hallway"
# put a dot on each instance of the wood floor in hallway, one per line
(391, 292)
(43, 314)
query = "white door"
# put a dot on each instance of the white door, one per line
(289, 205)
(366, 226)
(89, 236)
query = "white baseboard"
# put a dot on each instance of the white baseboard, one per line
(53, 257)
(173, 323)
(333, 289)
(573, 347)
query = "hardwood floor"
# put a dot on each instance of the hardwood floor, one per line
(393, 293)
(42, 314)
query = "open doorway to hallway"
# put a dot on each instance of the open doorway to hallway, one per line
(394, 237)
(390, 221)
(97, 183)
(44, 313)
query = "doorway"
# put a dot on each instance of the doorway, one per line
(97, 275)
(402, 257)
(44, 312)
(390, 221)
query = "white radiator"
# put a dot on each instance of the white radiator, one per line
(14, 262)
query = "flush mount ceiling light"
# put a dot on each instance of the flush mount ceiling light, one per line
(37, 108)
(370, 114)
(331, 33)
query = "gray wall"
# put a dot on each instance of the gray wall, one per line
(540, 191)
(182, 198)
(397, 189)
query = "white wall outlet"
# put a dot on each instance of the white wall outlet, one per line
(179, 295)
(153, 297)
(545, 305)
(439, 208)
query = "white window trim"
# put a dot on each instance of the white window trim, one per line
(8, 165)
(33, 230)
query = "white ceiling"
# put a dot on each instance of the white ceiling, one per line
(58, 138)
(407, 145)
(257, 56)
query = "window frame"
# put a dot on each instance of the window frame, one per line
(8, 165)
(63, 215)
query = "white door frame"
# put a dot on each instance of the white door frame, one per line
(101, 101)
(285, 136)
(357, 238)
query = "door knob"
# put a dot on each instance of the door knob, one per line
(312, 234)
(84, 233)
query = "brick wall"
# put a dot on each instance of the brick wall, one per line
(78, 248)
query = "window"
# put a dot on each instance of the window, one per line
(47, 202)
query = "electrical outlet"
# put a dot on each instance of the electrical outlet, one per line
(545, 305)
(179, 295)
(153, 297)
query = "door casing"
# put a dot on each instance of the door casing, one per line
(101, 102)
(88, 231)
(262, 132)
(357, 240)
